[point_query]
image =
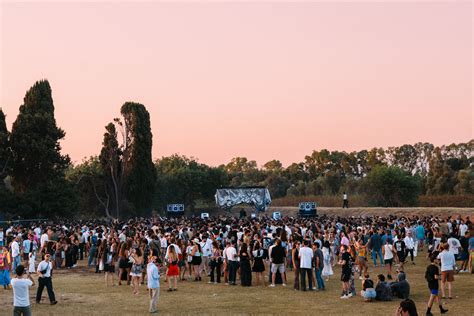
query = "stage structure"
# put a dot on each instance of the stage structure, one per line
(175, 210)
(258, 197)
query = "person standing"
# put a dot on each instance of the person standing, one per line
(345, 201)
(21, 296)
(376, 247)
(278, 255)
(306, 258)
(216, 263)
(258, 264)
(16, 259)
(245, 269)
(153, 283)
(5, 265)
(230, 257)
(319, 266)
(447, 270)
(44, 271)
(346, 272)
(432, 277)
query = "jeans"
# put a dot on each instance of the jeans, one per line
(319, 279)
(216, 267)
(232, 271)
(91, 256)
(16, 262)
(308, 272)
(374, 256)
(409, 251)
(21, 311)
(81, 251)
(45, 281)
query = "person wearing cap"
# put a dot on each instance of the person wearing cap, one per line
(153, 283)
(44, 273)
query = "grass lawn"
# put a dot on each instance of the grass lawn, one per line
(82, 292)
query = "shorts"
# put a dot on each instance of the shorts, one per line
(401, 256)
(362, 260)
(26, 256)
(463, 256)
(434, 291)
(369, 293)
(197, 260)
(181, 263)
(447, 276)
(345, 276)
(280, 267)
(388, 261)
(109, 268)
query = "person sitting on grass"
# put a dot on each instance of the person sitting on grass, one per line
(383, 290)
(368, 290)
(401, 287)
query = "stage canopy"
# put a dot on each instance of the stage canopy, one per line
(259, 197)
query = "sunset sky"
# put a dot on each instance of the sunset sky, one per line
(264, 80)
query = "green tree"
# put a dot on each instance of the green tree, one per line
(37, 158)
(391, 187)
(5, 152)
(38, 167)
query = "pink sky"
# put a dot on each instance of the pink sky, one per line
(260, 80)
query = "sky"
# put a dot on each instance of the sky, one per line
(259, 79)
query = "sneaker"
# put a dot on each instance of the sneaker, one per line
(350, 295)
(344, 296)
(429, 314)
(210, 282)
(314, 288)
(284, 284)
(54, 302)
(272, 285)
(361, 278)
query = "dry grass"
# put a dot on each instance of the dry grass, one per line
(82, 292)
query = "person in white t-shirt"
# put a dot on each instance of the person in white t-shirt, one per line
(16, 259)
(447, 269)
(21, 295)
(306, 258)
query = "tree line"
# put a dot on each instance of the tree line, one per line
(37, 180)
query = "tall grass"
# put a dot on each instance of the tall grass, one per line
(361, 200)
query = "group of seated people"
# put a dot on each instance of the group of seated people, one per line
(385, 291)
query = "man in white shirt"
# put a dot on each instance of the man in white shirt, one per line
(206, 246)
(44, 279)
(306, 259)
(230, 257)
(16, 259)
(21, 295)
(410, 246)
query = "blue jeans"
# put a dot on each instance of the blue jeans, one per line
(16, 263)
(374, 256)
(91, 256)
(319, 279)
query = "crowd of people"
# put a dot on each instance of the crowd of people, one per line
(246, 251)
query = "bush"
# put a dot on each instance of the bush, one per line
(321, 200)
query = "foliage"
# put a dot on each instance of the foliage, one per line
(391, 187)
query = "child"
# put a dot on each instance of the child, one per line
(432, 277)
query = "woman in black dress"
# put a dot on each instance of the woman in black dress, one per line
(258, 265)
(245, 270)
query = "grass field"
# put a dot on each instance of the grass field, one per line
(82, 292)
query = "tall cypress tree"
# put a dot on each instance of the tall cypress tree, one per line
(5, 153)
(139, 174)
(37, 158)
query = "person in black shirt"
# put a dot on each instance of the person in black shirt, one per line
(400, 249)
(432, 277)
(346, 263)
(278, 255)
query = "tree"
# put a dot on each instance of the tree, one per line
(5, 152)
(391, 187)
(38, 167)
(139, 175)
(35, 138)
(110, 161)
